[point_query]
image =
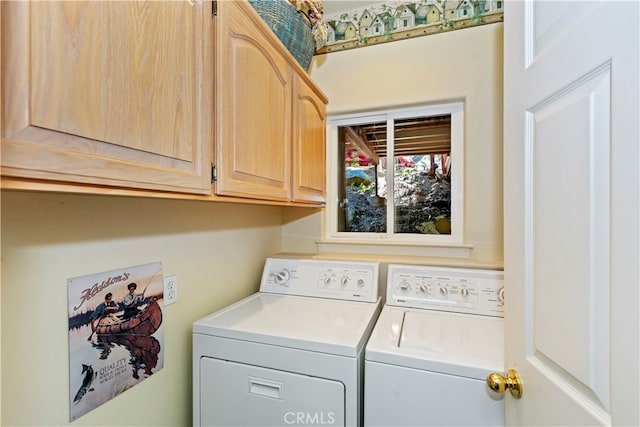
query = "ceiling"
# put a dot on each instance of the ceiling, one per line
(412, 137)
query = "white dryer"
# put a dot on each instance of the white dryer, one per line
(290, 354)
(438, 337)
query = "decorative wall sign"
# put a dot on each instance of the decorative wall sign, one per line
(116, 337)
(396, 20)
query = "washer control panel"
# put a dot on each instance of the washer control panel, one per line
(355, 281)
(458, 290)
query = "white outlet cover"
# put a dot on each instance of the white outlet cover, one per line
(170, 294)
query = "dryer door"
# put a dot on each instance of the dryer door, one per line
(235, 394)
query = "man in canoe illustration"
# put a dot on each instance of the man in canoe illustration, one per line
(104, 310)
(131, 301)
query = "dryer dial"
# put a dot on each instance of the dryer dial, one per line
(282, 277)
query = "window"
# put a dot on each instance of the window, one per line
(395, 176)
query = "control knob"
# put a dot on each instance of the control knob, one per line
(444, 290)
(404, 286)
(282, 277)
(344, 280)
(424, 288)
(464, 292)
(501, 295)
(326, 279)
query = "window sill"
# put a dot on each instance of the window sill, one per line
(438, 250)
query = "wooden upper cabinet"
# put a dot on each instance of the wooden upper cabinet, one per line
(108, 92)
(309, 161)
(147, 95)
(253, 107)
(270, 117)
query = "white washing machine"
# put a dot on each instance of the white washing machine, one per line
(439, 335)
(290, 354)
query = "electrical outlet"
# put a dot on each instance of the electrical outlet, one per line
(170, 290)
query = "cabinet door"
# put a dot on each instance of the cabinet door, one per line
(309, 159)
(253, 107)
(109, 92)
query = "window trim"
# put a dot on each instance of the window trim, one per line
(456, 238)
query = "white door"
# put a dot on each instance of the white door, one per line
(571, 162)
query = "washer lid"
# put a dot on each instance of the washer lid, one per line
(450, 343)
(314, 324)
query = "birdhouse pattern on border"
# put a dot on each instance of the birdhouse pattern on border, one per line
(391, 17)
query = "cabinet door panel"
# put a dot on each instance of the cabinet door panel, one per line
(112, 93)
(253, 108)
(308, 145)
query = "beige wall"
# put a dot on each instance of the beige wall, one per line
(459, 65)
(216, 250)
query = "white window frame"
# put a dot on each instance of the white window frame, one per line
(456, 238)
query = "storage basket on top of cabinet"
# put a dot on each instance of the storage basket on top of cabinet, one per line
(291, 27)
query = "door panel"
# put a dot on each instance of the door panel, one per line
(139, 102)
(309, 164)
(113, 93)
(571, 209)
(253, 110)
(547, 23)
(564, 200)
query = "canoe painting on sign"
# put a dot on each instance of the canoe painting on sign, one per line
(116, 337)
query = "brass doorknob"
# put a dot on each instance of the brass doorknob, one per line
(499, 384)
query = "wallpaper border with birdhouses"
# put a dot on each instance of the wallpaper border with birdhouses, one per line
(393, 21)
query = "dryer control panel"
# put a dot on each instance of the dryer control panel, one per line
(347, 280)
(457, 290)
